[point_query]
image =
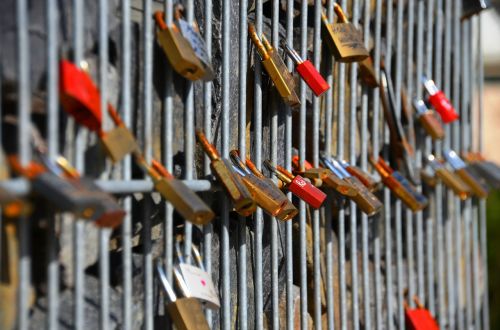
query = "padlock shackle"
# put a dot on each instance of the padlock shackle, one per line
(253, 168)
(149, 170)
(161, 169)
(30, 171)
(235, 158)
(209, 148)
(385, 166)
(67, 168)
(178, 11)
(266, 43)
(292, 53)
(277, 173)
(197, 257)
(180, 281)
(285, 171)
(261, 49)
(342, 18)
(164, 281)
(158, 17)
(380, 169)
(178, 251)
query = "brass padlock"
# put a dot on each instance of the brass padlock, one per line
(461, 170)
(9, 277)
(189, 205)
(265, 193)
(450, 179)
(223, 170)
(283, 86)
(185, 313)
(485, 169)
(293, 100)
(367, 73)
(119, 141)
(192, 34)
(428, 120)
(366, 179)
(178, 50)
(343, 39)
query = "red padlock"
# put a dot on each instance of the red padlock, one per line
(308, 72)
(419, 318)
(79, 95)
(440, 102)
(298, 186)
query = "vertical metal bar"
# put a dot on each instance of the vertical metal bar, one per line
(288, 160)
(341, 216)
(24, 105)
(148, 151)
(315, 159)
(375, 141)
(53, 149)
(207, 121)
(329, 278)
(259, 319)
(126, 229)
(302, 157)
(242, 107)
(364, 165)
(224, 235)
(78, 226)
(103, 233)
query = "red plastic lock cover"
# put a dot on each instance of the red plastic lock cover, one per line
(444, 107)
(307, 192)
(420, 319)
(312, 77)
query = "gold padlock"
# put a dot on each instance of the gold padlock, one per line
(118, 142)
(450, 179)
(284, 89)
(343, 39)
(178, 50)
(428, 120)
(293, 100)
(367, 73)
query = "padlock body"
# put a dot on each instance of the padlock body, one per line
(345, 42)
(269, 199)
(189, 205)
(420, 319)
(12, 206)
(410, 188)
(79, 96)
(9, 277)
(118, 143)
(330, 180)
(187, 314)
(454, 182)
(366, 179)
(180, 54)
(475, 186)
(234, 187)
(279, 82)
(198, 45)
(431, 125)
(288, 212)
(65, 195)
(489, 171)
(404, 195)
(200, 285)
(443, 107)
(367, 73)
(292, 100)
(312, 77)
(307, 192)
(367, 202)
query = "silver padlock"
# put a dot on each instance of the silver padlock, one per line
(198, 282)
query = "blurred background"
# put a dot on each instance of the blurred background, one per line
(490, 37)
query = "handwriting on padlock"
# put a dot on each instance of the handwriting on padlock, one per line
(195, 39)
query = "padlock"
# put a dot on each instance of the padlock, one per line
(293, 100)
(289, 211)
(440, 102)
(9, 276)
(185, 201)
(265, 193)
(230, 181)
(428, 120)
(192, 34)
(366, 200)
(186, 313)
(79, 95)
(328, 178)
(343, 39)
(485, 169)
(451, 180)
(473, 7)
(119, 141)
(12, 206)
(4, 167)
(284, 88)
(198, 283)
(366, 179)
(178, 50)
(419, 318)
(399, 186)
(298, 186)
(461, 170)
(367, 73)
(307, 71)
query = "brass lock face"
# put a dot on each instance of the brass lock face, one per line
(178, 50)
(265, 196)
(476, 187)
(186, 202)
(367, 73)
(431, 125)
(330, 180)
(288, 212)
(234, 186)
(279, 81)
(367, 202)
(118, 143)
(453, 182)
(187, 314)
(404, 195)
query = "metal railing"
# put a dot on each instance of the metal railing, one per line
(360, 265)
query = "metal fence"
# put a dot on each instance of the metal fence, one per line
(331, 268)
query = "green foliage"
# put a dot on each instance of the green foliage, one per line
(493, 218)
